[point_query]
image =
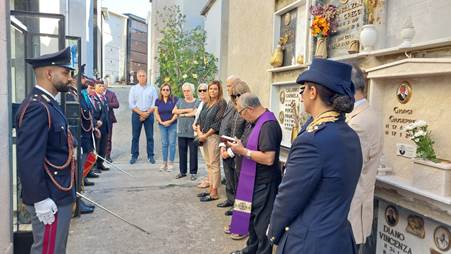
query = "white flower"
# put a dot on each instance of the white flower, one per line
(195, 75)
(420, 123)
(420, 134)
(195, 62)
(416, 140)
(184, 76)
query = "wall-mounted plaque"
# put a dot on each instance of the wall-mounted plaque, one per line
(415, 226)
(350, 19)
(288, 28)
(281, 117)
(290, 112)
(404, 92)
(442, 238)
(391, 215)
(406, 150)
(282, 96)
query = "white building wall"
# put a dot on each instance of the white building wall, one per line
(431, 19)
(114, 46)
(213, 28)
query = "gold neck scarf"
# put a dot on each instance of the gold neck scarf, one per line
(325, 117)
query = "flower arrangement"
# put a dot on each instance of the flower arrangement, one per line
(324, 22)
(418, 133)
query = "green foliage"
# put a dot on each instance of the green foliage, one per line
(181, 54)
(418, 133)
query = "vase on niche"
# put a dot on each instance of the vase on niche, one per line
(321, 47)
(368, 37)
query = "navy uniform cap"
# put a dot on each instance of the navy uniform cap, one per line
(332, 74)
(61, 58)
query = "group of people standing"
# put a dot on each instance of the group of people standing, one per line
(303, 207)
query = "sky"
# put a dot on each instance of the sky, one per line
(137, 7)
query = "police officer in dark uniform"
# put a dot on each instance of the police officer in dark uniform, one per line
(311, 208)
(45, 154)
(104, 123)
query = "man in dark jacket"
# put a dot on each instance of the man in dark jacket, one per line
(103, 123)
(45, 154)
(113, 103)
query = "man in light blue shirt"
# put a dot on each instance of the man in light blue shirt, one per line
(141, 100)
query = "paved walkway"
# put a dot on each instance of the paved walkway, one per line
(166, 207)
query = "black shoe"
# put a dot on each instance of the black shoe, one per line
(133, 160)
(179, 176)
(228, 212)
(203, 194)
(151, 160)
(102, 167)
(109, 159)
(97, 171)
(91, 174)
(81, 202)
(88, 183)
(85, 209)
(193, 177)
(225, 203)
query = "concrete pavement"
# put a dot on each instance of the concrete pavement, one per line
(166, 207)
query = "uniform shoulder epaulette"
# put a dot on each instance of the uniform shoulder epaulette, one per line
(320, 122)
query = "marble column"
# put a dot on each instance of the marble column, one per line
(6, 245)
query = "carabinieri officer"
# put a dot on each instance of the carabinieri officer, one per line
(45, 154)
(311, 208)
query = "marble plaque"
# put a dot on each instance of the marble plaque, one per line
(402, 231)
(350, 19)
(289, 110)
(288, 28)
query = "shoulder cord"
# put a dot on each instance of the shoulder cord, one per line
(89, 118)
(70, 156)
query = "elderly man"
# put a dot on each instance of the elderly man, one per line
(45, 154)
(260, 174)
(228, 161)
(141, 100)
(363, 119)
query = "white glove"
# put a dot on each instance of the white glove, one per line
(46, 210)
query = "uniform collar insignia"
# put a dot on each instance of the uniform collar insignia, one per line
(43, 95)
(326, 117)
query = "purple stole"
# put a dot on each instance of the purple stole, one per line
(245, 191)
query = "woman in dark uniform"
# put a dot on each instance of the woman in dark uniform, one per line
(323, 167)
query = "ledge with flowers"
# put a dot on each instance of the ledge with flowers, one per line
(428, 172)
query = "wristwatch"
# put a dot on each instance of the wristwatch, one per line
(248, 154)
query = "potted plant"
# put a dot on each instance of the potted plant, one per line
(429, 173)
(323, 24)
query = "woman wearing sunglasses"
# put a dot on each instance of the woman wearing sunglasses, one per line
(207, 129)
(167, 122)
(202, 95)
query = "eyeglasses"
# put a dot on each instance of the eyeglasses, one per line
(202, 90)
(234, 96)
(241, 111)
(301, 89)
